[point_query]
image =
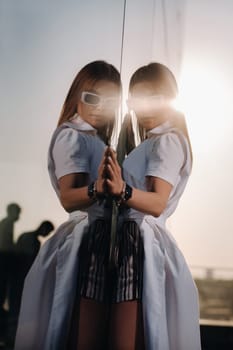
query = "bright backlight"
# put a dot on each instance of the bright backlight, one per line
(205, 99)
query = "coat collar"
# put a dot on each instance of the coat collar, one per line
(81, 125)
(161, 129)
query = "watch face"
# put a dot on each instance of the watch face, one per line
(128, 192)
(91, 190)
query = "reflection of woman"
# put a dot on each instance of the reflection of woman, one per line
(156, 173)
(64, 304)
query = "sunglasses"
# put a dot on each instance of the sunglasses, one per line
(153, 101)
(94, 100)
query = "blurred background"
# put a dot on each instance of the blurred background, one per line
(43, 45)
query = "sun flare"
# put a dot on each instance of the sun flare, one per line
(204, 97)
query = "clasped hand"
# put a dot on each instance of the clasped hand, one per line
(109, 174)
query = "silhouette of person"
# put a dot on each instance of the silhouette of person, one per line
(28, 244)
(7, 250)
(7, 227)
(26, 250)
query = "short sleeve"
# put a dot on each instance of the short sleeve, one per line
(70, 153)
(166, 158)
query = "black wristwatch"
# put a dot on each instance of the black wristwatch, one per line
(128, 192)
(91, 191)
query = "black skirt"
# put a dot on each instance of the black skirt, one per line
(99, 281)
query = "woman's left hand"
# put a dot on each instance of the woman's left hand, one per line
(114, 181)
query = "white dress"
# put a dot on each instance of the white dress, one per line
(170, 298)
(170, 302)
(50, 286)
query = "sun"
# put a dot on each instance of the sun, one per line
(204, 97)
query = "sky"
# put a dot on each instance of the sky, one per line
(43, 45)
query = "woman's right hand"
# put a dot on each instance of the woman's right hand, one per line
(114, 181)
(101, 184)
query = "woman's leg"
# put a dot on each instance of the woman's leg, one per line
(89, 326)
(126, 326)
(92, 325)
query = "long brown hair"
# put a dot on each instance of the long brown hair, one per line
(84, 80)
(164, 83)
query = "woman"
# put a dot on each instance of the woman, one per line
(154, 177)
(62, 304)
